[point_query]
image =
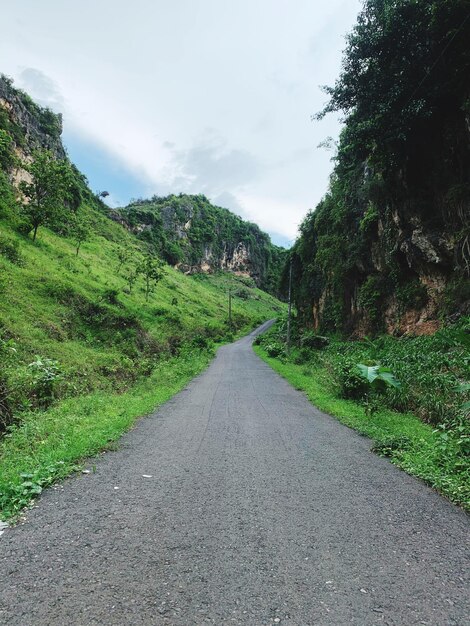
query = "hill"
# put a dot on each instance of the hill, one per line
(192, 234)
(95, 329)
(387, 249)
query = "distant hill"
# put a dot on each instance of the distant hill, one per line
(194, 235)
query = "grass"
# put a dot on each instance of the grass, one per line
(432, 454)
(107, 355)
(48, 445)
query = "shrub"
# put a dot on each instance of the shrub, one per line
(10, 249)
(273, 350)
(111, 296)
(243, 294)
(304, 355)
(199, 341)
(312, 340)
(348, 377)
(45, 373)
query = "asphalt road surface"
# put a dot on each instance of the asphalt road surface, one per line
(238, 502)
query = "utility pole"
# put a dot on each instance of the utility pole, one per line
(290, 306)
(230, 308)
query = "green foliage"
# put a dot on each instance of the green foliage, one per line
(10, 249)
(7, 198)
(79, 230)
(182, 229)
(6, 150)
(6, 413)
(371, 297)
(432, 370)
(313, 340)
(412, 295)
(273, 349)
(401, 168)
(378, 377)
(151, 268)
(428, 368)
(45, 373)
(348, 377)
(14, 497)
(49, 189)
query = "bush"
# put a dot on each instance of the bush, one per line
(304, 355)
(45, 374)
(10, 249)
(351, 384)
(274, 350)
(111, 296)
(243, 294)
(199, 341)
(312, 340)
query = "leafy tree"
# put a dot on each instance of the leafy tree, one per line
(50, 187)
(131, 276)
(79, 230)
(124, 255)
(151, 268)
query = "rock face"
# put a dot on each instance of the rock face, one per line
(196, 236)
(33, 126)
(30, 126)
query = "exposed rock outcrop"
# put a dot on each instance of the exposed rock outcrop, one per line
(196, 236)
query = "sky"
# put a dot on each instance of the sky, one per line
(192, 96)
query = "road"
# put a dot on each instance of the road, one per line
(238, 502)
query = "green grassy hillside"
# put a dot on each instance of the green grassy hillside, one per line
(95, 329)
(83, 354)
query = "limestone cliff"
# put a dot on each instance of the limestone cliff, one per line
(196, 236)
(388, 247)
(30, 126)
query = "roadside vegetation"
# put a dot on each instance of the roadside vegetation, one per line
(88, 343)
(95, 328)
(417, 414)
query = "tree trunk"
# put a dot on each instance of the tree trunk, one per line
(35, 232)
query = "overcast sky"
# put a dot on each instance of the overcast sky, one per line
(199, 96)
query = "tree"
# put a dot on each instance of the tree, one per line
(79, 230)
(124, 254)
(151, 267)
(131, 276)
(47, 191)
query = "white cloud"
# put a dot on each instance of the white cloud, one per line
(212, 96)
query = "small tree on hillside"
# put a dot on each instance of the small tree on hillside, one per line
(151, 268)
(131, 275)
(79, 230)
(124, 255)
(47, 191)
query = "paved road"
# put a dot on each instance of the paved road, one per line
(260, 510)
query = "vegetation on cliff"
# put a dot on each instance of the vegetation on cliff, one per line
(388, 246)
(189, 231)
